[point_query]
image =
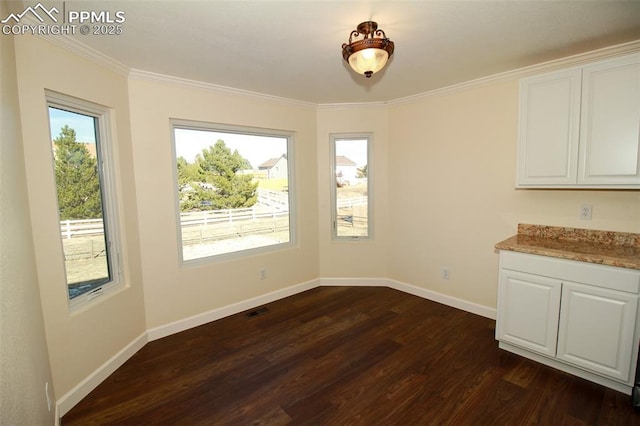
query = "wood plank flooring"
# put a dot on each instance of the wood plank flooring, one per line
(345, 356)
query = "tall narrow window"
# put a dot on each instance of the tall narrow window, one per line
(351, 189)
(79, 135)
(234, 189)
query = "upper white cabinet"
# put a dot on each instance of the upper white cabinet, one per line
(580, 127)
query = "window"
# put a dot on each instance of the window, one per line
(351, 212)
(234, 189)
(81, 155)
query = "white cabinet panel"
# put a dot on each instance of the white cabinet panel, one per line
(596, 329)
(549, 128)
(580, 127)
(528, 311)
(610, 126)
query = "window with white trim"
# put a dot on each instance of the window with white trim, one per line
(351, 189)
(234, 189)
(81, 147)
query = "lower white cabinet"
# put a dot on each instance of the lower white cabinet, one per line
(579, 317)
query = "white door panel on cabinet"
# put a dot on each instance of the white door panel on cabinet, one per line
(610, 126)
(596, 329)
(549, 123)
(528, 306)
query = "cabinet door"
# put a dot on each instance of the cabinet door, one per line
(528, 309)
(597, 328)
(610, 126)
(548, 132)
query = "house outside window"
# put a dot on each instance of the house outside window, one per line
(276, 168)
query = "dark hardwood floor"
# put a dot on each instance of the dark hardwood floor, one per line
(345, 356)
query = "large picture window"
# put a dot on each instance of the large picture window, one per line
(234, 189)
(351, 190)
(80, 141)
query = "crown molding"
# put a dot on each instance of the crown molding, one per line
(81, 49)
(101, 59)
(194, 84)
(352, 105)
(566, 62)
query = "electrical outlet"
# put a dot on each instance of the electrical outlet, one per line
(585, 211)
(46, 392)
(445, 273)
(263, 274)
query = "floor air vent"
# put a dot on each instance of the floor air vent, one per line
(257, 312)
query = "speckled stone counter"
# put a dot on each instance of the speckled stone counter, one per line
(620, 249)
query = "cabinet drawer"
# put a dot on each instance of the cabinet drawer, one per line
(609, 277)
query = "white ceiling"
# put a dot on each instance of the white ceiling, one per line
(292, 49)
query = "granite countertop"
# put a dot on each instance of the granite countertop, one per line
(619, 249)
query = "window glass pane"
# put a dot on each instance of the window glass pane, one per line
(352, 188)
(233, 191)
(79, 186)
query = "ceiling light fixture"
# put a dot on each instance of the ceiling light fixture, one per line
(369, 54)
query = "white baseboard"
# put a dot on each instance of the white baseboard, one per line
(354, 282)
(225, 311)
(454, 302)
(82, 389)
(75, 395)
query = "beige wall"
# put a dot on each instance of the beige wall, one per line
(443, 194)
(365, 258)
(24, 366)
(172, 292)
(82, 341)
(452, 160)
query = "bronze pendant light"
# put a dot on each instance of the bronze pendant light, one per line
(369, 54)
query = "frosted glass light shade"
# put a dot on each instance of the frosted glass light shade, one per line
(369, 60)
(368, 49)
